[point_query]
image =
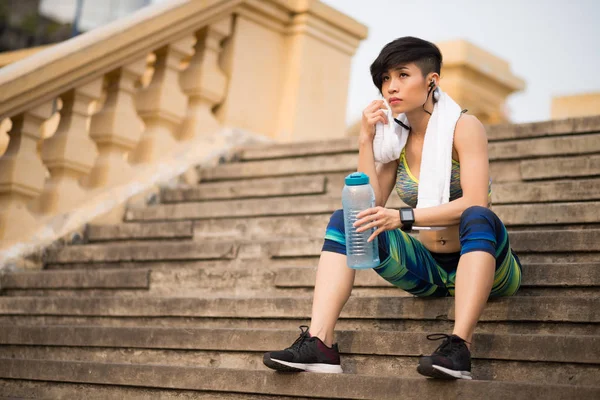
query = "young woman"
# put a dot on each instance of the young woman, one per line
(470, 260)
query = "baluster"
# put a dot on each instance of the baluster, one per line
(22, 173)
(70, 153)
(116, 128)
(162, 105)
(5, 125)
(204, 82)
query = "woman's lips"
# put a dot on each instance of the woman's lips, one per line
(395, 101)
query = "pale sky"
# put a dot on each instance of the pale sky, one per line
(554, 45)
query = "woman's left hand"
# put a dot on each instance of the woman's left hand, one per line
(384, 219)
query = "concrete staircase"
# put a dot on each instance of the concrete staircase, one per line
(182, 298)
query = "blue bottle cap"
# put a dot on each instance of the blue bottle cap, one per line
(357, 178)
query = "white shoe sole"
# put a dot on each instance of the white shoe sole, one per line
(455, 374)
(321, 368)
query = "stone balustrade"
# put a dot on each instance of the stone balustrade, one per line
(87, 115)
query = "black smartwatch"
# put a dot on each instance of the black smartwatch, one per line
(407, 217)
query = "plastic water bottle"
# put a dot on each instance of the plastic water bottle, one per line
(358, 196)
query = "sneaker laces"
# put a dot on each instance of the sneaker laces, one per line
(300, 341)
(448, 346)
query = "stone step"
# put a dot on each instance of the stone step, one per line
(286, 246)
(509, 192)
(313, 227)
(149, 251)
(521, 214)
(250, 188)
(292, 323)
(144, 231)
(572, 240)
(545, 147)
(544, 192)
(516, 308)
(22, 389)
(560, 167)
(538, 275)
(502, 193)
(302, 149)
(560, 127)
(568, 349)
(374, 365)
(284, 167)
(73, 279)
(550, 241)
(495, 133)
(346, 386)
(516, 150)
(295, 205)
(548, 214)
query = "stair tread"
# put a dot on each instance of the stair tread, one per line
(516, 308)
(348, 386)
(531, 347)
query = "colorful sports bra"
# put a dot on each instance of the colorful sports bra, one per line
(407, 185)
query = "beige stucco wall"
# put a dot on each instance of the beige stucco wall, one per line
(579, 105)
(281, 83)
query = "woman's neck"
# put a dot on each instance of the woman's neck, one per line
(418, 120)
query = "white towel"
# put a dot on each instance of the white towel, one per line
(436, 159)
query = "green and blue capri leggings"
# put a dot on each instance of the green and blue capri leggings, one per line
(407, 264)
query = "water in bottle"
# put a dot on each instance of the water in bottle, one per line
(358, 196)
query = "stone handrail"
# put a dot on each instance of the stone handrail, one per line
(100, 110)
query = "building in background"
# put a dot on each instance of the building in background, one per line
(577, 105)
(93, 13)
(22, 26)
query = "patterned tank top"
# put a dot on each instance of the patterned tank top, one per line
(407, 186)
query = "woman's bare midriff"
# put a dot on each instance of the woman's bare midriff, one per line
(445, 241)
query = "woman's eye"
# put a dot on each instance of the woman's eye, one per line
(386, 78)
(403, 74)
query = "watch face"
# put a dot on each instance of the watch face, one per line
(407, 215)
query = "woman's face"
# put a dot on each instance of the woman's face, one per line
(404, 88)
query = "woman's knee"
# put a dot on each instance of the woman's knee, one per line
(478, 230)
(335, 236)
(337, 220)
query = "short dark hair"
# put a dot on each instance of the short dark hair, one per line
(404, 50)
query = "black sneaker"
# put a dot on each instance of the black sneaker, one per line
(305, 354)
(451, 360)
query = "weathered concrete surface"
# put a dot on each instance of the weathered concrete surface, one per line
(283, 167)
(238, 208)
(561, 167)
(538, 192)
(132, 231)
(86, 279)
(374, 365)
(568, 348)
(545, 147)
(286, 150)
(544, 275)
(347, 386)
(298, 185)
(142, 252)
(57, 390)
(544, 128)
(577, 309)
(525, 214)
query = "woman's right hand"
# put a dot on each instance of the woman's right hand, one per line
(374, 113)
